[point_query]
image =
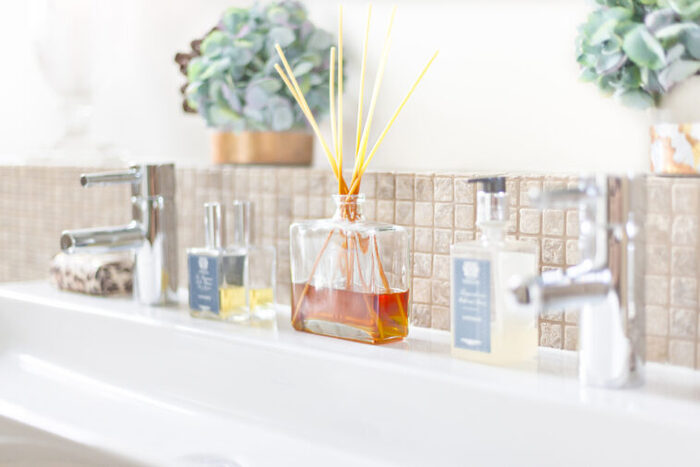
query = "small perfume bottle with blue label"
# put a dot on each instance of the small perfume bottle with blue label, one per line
(485, 327)
(216, 275)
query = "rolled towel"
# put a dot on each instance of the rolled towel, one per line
(94, 274)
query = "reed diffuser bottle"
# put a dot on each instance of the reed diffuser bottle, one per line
(350, 277)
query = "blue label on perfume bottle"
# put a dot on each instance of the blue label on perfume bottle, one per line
(471, 303)
(204, 283)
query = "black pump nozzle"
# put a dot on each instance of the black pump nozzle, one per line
(491, 184)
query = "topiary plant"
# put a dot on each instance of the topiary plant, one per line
(638, 50)
(232, 81)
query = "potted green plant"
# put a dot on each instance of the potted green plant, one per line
(233, 85)
(641, 50)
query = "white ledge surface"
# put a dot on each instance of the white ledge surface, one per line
(157, 386)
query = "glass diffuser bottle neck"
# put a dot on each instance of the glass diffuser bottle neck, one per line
(349, 207)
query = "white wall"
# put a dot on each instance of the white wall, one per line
(502, 95)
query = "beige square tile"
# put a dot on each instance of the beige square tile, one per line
(657, 349)
(443, 188)
(658, 196)
(421, 316)
(422, 265)
(526, 188)
(369, 185)
(424, 188)
(658, 228)
(553, 222)
(657, 318)
(385, 211)
(404, 187)
(529, 221)
(682, 353)
(684, 292)
(441, 293)
(684, 261)
(685, 230)
(571, 337)
(464, 216)
(404, 213)
(656, 289)
(423, 240)
(442, 241)
(571, 316)
(657, 258)
(423, 214)
(683, 323)
(444, 215)
(464, 191)
(421, 290)
(551, 335)
(441, 267)
(572, 224)
(385, 186)
(553, 251)
(685, 197)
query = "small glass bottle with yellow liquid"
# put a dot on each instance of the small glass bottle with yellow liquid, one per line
(259, 267)
(216, 275)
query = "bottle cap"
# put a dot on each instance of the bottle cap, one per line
(491, 200)
(213, 227)
(491, 184)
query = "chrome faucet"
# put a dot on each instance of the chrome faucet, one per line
(606, 285)
(152, 233)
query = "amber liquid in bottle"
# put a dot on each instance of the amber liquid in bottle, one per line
(360, 316)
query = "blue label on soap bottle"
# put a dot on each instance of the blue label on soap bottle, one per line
(471, 303)
(203, 282)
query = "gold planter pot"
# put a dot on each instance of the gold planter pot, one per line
(262, 147)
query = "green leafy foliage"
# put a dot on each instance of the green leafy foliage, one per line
(233, 84)
(638, 50)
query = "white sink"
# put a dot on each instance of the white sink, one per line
(108, 377)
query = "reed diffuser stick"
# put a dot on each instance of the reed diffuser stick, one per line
(331, 99)
(299, 97)
(339, 149)
(375, 93)
(361, 97)
(355, 183)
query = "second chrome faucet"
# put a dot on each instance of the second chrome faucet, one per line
(606, 285)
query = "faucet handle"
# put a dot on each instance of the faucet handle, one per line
(146, 180)
(110, 178)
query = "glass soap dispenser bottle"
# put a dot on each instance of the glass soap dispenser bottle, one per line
(485, 327)
(216, 276)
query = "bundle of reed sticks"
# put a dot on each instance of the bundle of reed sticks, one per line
(335, 153)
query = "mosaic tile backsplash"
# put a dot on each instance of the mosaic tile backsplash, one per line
(37, 203)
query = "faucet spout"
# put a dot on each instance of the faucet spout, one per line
(553, 290)
(102, 239)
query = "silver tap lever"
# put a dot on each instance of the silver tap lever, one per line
(152, 233)
(606, 284)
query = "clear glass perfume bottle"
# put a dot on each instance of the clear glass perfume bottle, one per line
(216, 276)
(350, 277)
(485, 326)
(259, 267)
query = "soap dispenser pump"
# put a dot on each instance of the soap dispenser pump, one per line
(485, 326)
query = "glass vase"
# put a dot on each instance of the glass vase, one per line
(350, 277)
